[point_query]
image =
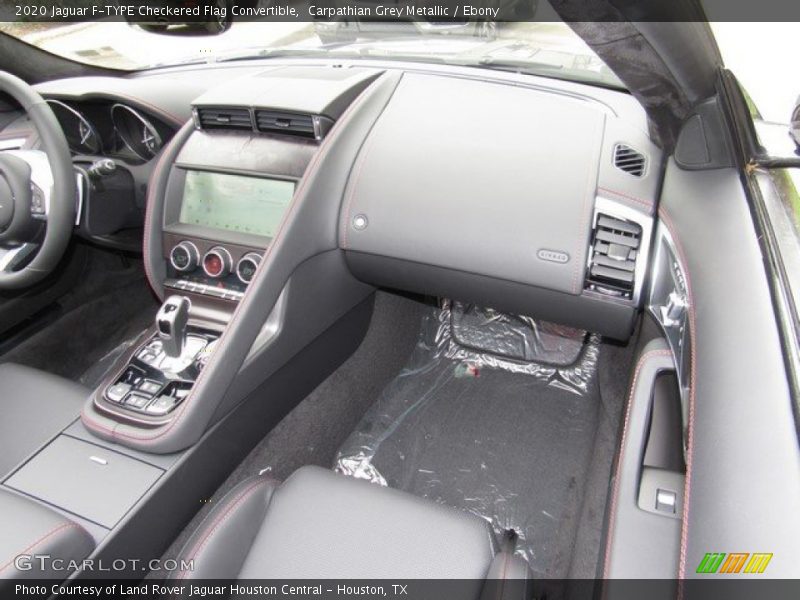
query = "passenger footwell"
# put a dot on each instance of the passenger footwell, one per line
(477, 420)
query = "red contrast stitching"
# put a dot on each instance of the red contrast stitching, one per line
(144, 103)
(503, 576)
(692, 379)
(91, 423)
(580, 239)
(356, 181)
(219, 520)
(646, 203)
(19, 133)
(614, 495)
(148, 214)
(49, 534)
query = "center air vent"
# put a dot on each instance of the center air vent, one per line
(224, 118)
(272, 121)
(612, 265)
(629, 160)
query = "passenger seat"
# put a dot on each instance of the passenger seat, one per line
(36, 407)
(322, 525)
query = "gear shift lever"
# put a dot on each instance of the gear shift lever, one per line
(171, 322)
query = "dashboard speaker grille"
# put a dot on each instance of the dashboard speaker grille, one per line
(612, 265)
(224, 118)
(629, 160)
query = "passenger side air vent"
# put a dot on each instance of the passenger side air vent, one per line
(272, 121)
(629, 160)
(223, 118)
(612, 264)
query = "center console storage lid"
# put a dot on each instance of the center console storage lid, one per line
(92, 482)
(32, 529)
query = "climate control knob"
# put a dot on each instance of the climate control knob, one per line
(184, 257)
(217, 262)
(246, 267)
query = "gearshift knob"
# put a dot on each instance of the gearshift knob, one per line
(171, 322)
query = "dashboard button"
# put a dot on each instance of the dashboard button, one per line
(184, 257)
(137, 400)
(217, 262)
(149, 387)
(117, 392)
(162, 405)
(246, 268)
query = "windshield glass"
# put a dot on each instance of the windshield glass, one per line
(542, 48)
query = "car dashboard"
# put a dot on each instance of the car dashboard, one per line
(271, 198)
(545, 207)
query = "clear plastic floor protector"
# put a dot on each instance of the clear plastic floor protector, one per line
(473, 422)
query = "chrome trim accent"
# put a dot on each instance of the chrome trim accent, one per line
(190, 248)
(84, 121)
(147, 126)
(217, 251)
(41, 174)
(253, 258)
(196, 118)
(81, 183)
(12, 144)
(316, 123)
(11, 257)
(668, 280)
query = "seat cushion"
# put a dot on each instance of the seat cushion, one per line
(35, 406)
(319, 524)
(32, 530)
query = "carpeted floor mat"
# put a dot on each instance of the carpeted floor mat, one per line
(75, 345)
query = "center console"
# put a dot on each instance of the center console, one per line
(161, 370)
(216, 230)
(217, 205)
(258, 308)
(217, 224)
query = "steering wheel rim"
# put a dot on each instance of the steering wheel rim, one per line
(60, 210)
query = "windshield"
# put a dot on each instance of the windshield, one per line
(541, 48)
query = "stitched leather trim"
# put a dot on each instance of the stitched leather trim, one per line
(503, 576)
(361, 161)
(160, 432)
(149, 210)
(646, 203)
(692, 384)
(145, 105)
(612, 518)
(358, 168)
(220, 519)
(19, 133)
(48, 535)
(581, 240)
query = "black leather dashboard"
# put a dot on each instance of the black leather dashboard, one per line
(443, 182)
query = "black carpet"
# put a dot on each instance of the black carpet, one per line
(112, 305)
(314, 430)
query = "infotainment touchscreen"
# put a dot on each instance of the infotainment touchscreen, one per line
(237, 203)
